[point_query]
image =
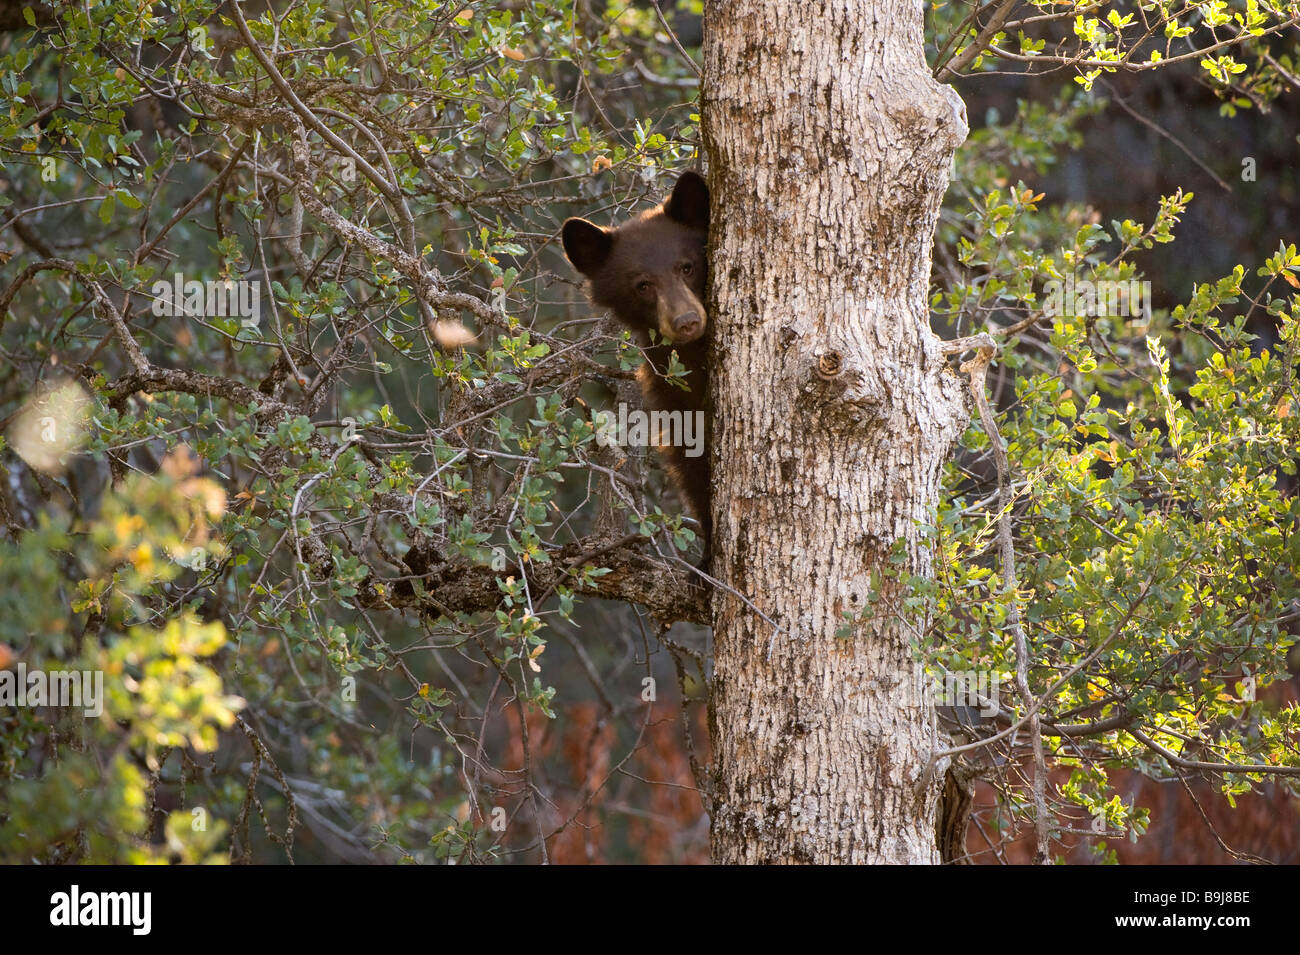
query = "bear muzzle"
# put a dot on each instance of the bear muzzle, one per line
(687, 327)
(681, 318)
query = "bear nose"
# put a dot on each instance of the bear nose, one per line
(686, 324)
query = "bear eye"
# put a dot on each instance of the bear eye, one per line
(643, 286)
(687, 269)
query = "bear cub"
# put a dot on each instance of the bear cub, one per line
(650, 273)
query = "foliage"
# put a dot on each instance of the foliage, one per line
(330, 227)
(1232, 43)
(1153, 500)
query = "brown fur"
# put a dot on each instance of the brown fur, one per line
(651, 272)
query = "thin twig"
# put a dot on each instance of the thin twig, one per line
(977, 368)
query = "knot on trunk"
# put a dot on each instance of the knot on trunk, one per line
(837, 392)
(829, 365)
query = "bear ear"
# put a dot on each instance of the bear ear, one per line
(689, 203)
(586, 244)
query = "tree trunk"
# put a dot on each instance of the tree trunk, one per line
(829, 146)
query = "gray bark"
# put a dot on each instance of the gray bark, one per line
(830, 146)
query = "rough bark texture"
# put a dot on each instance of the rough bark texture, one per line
(829, 147)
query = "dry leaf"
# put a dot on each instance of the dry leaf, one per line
(51, 426)
(180, 463)
(451, 334)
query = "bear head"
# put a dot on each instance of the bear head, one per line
(650, 272)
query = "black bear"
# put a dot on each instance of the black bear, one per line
(650, 273)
